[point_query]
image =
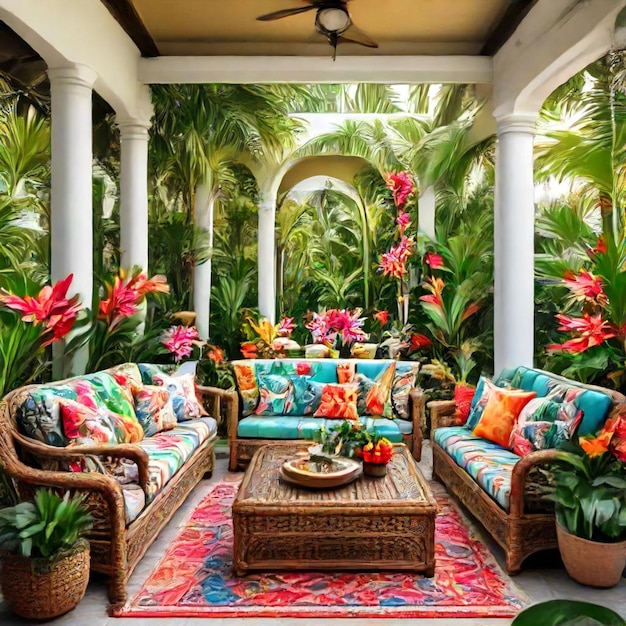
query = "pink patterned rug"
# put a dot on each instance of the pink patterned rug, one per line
(194, 577)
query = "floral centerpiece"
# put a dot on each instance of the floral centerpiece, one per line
(376, 454)
(338, 329)
(267, 340)
(590, 497)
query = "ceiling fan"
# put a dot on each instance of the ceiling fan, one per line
(331, 20)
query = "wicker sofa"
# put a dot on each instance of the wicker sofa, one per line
(268, 415)
(133, 483)
(504, 490)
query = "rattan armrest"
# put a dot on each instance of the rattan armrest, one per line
(441, 412)
(129, 451)
(229, 399)
(519, 474)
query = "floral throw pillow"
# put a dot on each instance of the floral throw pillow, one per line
(501, 411)
(345, 372)
(374, 396)
(154, 409)
(276, 395)
(89, 425)
(338, 402)
(404, 380)
(182, 391)
(247, 387)
(544, 423)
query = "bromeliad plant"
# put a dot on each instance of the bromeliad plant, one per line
(590, 478)
(267, 340)
(338, 328)
(28, 325)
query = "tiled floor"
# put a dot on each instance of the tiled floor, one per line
(542, 579)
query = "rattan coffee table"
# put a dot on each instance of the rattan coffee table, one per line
(370, 524)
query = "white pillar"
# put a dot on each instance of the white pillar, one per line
(514, 284)
(71, 223)
(267, 259)
(134, 193)
(426, 212)
(202, 273)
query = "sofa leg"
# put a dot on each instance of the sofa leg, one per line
(232, 458)
(117, 592)
(513, 564)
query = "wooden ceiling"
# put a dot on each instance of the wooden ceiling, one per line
(400, 27)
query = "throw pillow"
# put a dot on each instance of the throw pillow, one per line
(109, 392)
(276, 396)
(154, 409)
(345, 372)
(544, 423)
(501, 411)
(96, 426)
(338, 402)
(247, 387)
(463, 395)
(374, 397)
(182, 391)
(404, 380)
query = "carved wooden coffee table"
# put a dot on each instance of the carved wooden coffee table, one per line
(370, 524)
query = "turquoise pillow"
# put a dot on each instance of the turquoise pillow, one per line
(276, 396)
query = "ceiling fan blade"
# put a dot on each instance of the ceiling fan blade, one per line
(355, 35)
(277, 15)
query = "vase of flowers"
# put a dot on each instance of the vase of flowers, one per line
(376, 455)
(590, 497)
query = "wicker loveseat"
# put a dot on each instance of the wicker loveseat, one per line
(503, 489)
(129, 445)
(280, 401)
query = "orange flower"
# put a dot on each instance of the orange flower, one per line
(596, 446)
(249, 350)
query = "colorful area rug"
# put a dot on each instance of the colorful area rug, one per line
(194, 578)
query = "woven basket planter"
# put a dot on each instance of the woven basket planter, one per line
(37, 588)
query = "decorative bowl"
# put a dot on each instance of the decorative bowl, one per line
(302, 471)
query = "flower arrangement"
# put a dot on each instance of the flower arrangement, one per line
(378, 451)
(337, 328)
(28, 324)
(590, 478)
(181, 340)
(267, 340)
(394, 262)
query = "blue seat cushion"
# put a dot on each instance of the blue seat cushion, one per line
(305, 427)
(489, 464)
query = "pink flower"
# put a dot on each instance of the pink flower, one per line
(326, 326)
(434, 261)
(285, 327)
(593, 331)
(586, 286)
(403, 221)
(402, 186)
(393, 262)
(180, 340)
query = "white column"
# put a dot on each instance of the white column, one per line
(71, 223)
(267, 259)
(134, 193)
(514, 284)
(426, 212)
(202, 273)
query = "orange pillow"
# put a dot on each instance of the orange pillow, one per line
(500, 414)
(345, 372)
(338, 401)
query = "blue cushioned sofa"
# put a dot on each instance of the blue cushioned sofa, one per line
(134, 468)
(287, 411)
(501, 488)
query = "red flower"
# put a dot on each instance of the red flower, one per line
(393, 263)
(382, 317)
(379, 453)
(434, 285)
(216, 355)
(249, 350)
(419, 341)
(593, 331)
(435, 261)
(586, 285)
(402, 186)
(403, 221)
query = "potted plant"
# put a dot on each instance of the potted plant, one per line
(590, 497)
(376, 454)
(44, 557)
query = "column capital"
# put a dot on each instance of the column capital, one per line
(133, 128)
(73, 75)
(517, 123)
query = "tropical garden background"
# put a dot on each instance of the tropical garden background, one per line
(333, 247)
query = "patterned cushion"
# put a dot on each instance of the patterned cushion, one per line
(501, 411)
(545, 423)
(96, 425)
(182, 391)
(375, 395)
(148, 371)
(345, 372)
(110, 393)
(247, 386)
(154, 409)
(404, 380)
(463, 396)
(338, 401)
(276, 395)
(486, 462)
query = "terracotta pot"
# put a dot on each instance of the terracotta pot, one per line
(375, 469)
(591, 563)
